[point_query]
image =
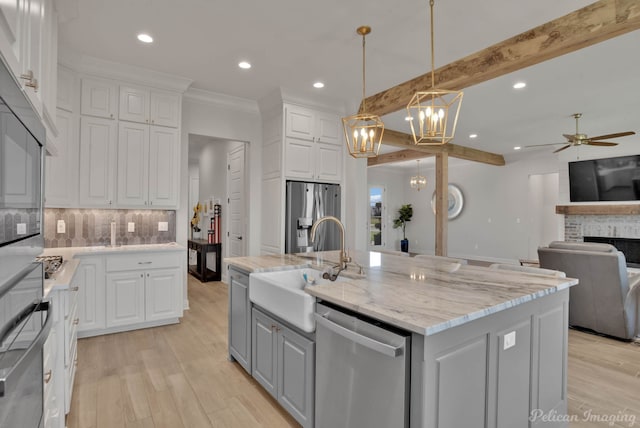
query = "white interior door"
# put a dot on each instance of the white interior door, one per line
(236, 235)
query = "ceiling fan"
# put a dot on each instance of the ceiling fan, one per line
(579, 139)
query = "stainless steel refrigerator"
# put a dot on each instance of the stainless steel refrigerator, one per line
(306, 203)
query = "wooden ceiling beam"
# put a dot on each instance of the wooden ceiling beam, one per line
(405, 141)
(399, 156)
(584, 27)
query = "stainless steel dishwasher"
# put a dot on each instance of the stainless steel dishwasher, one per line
(362, 371)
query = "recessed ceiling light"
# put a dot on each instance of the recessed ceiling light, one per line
(244, 65)
(318, 85)
(408, 118)
(519, 85)
(517, 148)
(473, 135)
(145, 38)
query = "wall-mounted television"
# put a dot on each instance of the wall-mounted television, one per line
(610, 179)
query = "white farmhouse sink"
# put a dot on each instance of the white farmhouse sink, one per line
(282, 293)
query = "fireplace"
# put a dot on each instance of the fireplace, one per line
(630, 247)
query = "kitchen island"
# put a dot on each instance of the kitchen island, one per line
(488, 347)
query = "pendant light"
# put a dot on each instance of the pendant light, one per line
(433, 114)
(418, 181)
(363, 131)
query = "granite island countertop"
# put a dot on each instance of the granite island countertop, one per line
(421, 296)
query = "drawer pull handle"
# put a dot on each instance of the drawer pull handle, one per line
(76, 321)
(47, 376)
(75, 288)
(144, 263)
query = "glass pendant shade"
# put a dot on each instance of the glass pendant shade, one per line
(363, 131)
(418, 181)
(433, 114)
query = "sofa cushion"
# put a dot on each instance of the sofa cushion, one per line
(583, 246)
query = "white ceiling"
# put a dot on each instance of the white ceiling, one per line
(292, 43)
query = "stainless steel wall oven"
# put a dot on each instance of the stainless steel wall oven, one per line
(25, 319)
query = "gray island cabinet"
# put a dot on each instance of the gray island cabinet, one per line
(488, 348)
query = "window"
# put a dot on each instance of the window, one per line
(376, 214)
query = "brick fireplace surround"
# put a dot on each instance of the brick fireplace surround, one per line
(622, 231)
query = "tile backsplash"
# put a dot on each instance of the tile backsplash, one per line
(92, 227)
(11, 218)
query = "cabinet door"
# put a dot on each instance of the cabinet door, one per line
(134, 104)
(328, 128)
(163, 167)
(124, 298)
(97, 161)
(240, 319)
(264, 358)
(328, 162)
(18, 158)
(99, 98)
(299, 158)
(296, 374)
(164, 109)
(133, 165)
(91, 295)
(163, 294)
(12, 18)
(299, 123)
(66, 89)
(61, 171)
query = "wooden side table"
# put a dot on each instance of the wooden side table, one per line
(200, 270)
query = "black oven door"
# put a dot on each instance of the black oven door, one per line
(25, 325)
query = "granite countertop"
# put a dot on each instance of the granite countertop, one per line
(62, 279)
(421, 296)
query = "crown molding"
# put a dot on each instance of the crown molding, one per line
(221, 100)
(123, 72)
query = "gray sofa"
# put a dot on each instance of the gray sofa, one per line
(605, 300)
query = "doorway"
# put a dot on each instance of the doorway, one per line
(546, 225)
(217, 175)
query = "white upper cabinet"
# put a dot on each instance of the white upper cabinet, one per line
(133, 164)
(313, 145)
(11, 40)
(164, 149)
(153, 107)
(98, 141)
(134, 104)
(147, 166)
(29, 46)
(99, 98)
(61, 172)
(66, 89)
(165, 109)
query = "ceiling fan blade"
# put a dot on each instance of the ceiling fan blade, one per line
(569, 137)
(562, 148)
(600, 143)
(619, 134)
(542, 145)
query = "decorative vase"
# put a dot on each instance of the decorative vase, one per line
(404, 245)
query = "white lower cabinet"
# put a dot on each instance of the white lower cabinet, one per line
(91, 296)
(125, 298)
(283, 363)
(143, 288)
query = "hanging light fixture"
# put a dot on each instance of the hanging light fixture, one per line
(433, 114)
(418, 181)
(363, 131)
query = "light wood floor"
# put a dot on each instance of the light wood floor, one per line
(179, 376)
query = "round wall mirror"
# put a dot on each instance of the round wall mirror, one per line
(456, 201)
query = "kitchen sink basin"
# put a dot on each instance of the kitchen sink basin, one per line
(282, 293)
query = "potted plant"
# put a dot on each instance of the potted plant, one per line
(404, 215)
